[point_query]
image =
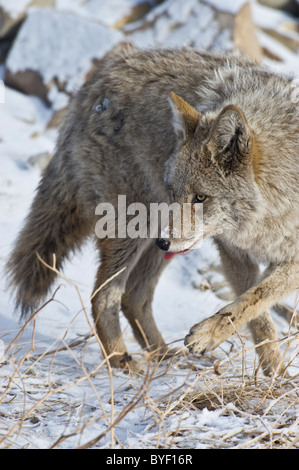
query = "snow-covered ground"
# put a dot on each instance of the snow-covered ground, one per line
(56, 389)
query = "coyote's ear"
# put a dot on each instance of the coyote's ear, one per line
(185, 117)
(230, 139)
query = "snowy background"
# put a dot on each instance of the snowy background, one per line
(55, 388)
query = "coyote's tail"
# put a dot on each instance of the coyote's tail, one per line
(55, 225)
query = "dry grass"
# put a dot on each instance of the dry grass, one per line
(66, 398)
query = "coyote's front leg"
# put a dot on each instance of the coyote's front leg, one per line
(208, 334)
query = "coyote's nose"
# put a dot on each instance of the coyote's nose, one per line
(163, 244)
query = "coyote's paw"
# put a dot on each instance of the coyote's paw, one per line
(126, 363)
(208, 334)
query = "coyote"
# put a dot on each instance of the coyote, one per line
(161, 126)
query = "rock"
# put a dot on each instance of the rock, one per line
(11, 15)
(205, 24)
(61, 57)
(27, 81)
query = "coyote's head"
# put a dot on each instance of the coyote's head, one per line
(213, 168)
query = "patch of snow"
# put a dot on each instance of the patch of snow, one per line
(228, 6)
(108, 12)
(22, 118)
(177, 24)
(15, 7)
(58, 99)
(265, 17)
(69, 41)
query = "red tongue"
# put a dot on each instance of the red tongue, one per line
(169, 255)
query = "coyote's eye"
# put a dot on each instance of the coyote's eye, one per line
(199, 198)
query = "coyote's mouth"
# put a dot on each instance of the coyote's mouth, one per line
(170, 255)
